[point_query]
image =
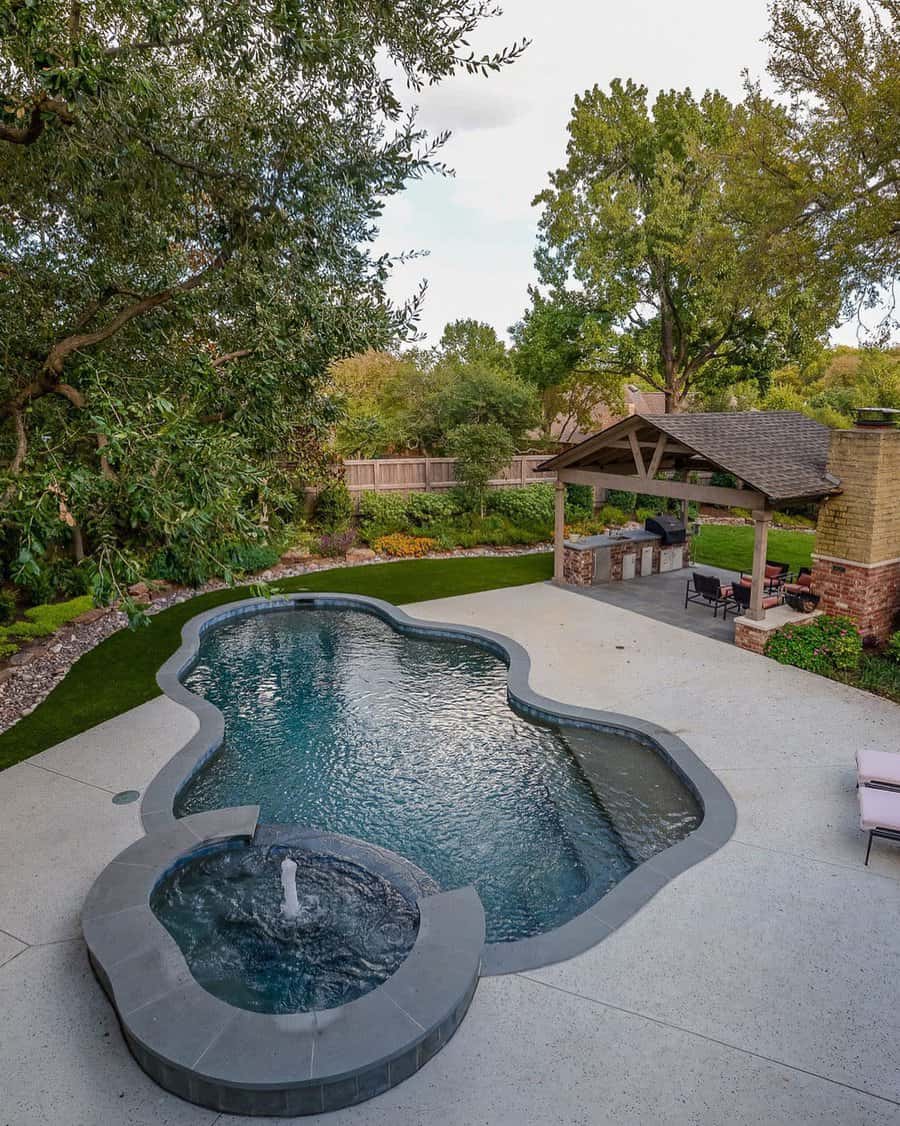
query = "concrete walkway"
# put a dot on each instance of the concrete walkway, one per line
(758, 987)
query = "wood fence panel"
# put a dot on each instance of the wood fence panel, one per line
(431, 474)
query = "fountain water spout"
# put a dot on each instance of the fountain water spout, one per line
(290, 908)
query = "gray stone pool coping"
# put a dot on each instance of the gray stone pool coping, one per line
(571, 938)
(241, 1062)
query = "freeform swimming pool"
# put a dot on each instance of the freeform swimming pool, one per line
(336, 721)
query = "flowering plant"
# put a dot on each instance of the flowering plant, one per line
(400, 545)
(824, 645)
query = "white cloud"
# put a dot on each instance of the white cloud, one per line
(510, 132)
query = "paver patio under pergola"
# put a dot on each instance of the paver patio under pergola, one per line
(779, 457)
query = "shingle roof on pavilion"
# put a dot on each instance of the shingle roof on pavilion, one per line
(780, 454)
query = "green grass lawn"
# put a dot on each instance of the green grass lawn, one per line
(731, 547)
(120, 672)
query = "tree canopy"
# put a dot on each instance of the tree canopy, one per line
(187, 192)
(834, 162)
(554, 351)
(679, 291)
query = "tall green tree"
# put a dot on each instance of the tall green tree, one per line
(554, 352)
(833, 163)
(187, 191)
(680, 290)
(471, 343)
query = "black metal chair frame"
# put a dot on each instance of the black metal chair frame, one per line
(773, 586)
(885, 834)
(745, 605)
(693, 594)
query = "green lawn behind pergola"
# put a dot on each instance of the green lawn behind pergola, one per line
(731, 546)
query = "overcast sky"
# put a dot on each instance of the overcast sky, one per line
(509, 132)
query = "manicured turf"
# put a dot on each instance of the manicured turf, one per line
(120, 673)
(731, 547)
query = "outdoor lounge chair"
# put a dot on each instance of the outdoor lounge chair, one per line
(776, 574)
(708, 589)
(799, 594)
(879, 814)
(740, 593)
(802, 584)
(878, 768)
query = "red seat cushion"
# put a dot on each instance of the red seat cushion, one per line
(768, 603)
(773, 572)
(804, 580)
(725, 591)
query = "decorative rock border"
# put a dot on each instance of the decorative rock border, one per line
(241, 1062)
(573, 937)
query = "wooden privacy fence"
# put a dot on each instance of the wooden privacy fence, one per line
(431, 474)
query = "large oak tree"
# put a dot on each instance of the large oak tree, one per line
(679, 287)
(187, 191)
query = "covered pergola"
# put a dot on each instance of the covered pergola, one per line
(778, 457)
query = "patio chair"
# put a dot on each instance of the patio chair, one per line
(878, 768)
(879, 814)
(799, 594)
(802, 584)
(708, 589)
(776, 574)
(740, 593)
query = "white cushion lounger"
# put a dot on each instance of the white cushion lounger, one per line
(879, 814)
(878, 766)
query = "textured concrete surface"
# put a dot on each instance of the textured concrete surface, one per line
(661, 597)
(759, 986)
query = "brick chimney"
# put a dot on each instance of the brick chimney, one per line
(856, 564)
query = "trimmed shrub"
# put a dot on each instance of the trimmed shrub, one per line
(426, 509)
(824, 645)
(657, 504)
(610, 515)
(248, 558)
(387, 510)
(402, 546)
(334, 506)
(579, 501)
(532, 504)
(619, 499)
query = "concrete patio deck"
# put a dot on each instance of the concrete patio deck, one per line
(759, 986)
(661, 597)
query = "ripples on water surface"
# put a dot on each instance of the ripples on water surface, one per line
(335, 721)
(224, 911)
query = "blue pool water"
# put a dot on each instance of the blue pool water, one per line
(335, 721)
(224, 909)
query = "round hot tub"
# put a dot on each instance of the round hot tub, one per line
(274, 970)
(347, 930)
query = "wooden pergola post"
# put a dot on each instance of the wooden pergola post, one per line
(559, 530)
(762, 518)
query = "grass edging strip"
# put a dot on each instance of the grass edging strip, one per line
(120, 672)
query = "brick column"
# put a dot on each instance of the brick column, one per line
(856, 564)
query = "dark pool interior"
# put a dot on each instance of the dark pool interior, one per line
(336, 721)
(224, 909)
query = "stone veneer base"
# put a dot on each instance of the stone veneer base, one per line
(236, 1061)
(565, 941)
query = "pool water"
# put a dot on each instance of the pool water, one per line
(335, 721)
(224, 909)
